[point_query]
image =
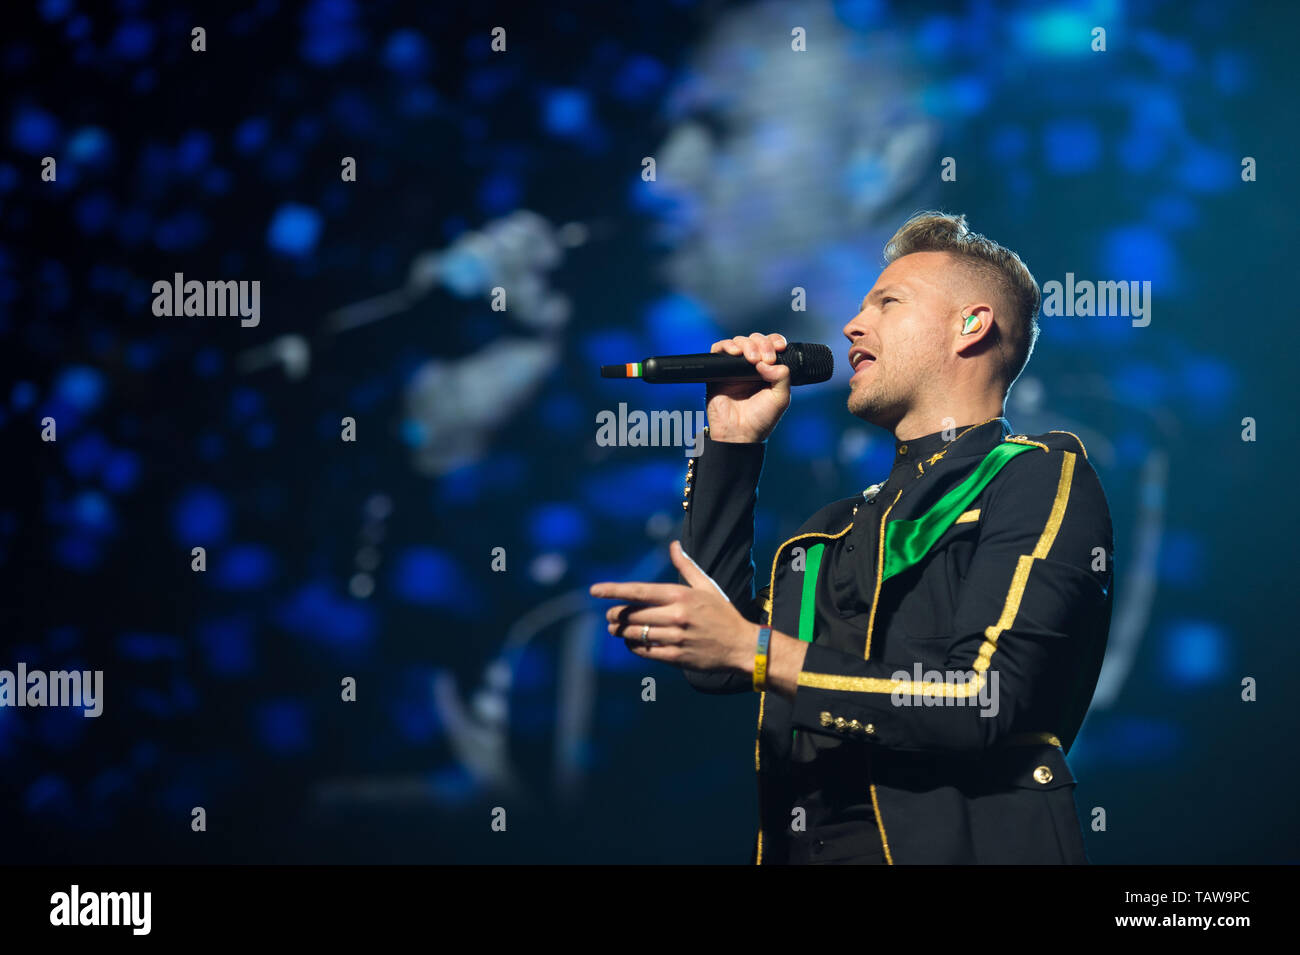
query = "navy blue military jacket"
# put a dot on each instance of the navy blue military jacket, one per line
(957, 684)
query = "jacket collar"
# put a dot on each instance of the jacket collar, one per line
(963, 441)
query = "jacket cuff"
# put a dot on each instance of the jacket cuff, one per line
(723, 466)
(838, 710)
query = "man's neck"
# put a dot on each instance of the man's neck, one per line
(917, 424)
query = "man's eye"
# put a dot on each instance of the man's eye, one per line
(886, 301)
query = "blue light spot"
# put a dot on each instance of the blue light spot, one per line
(193, 151)
(1195, 652)
(414, 434)
(294, 229)
(937, 36)
(566, 112)
(55, 10)
(1207, 170)
(242, 567)
(1059, 32)
(252, 134)
(1139, 253)
(1208, 382)
(464, 272)
(79, 387)
(499, 193)
(34, 131)
(1071, 146)
(608, 491)
(133, 40)
(201, 518)
(92, 511)
(428, 577)
(407, 53)
(122, 471)
(90, 146)
(860, 14)
(640, 77)
(315, 612)
(330, 32)
(557, 527)
(673, 319)
(613, 347)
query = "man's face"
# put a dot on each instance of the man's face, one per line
(905, 325)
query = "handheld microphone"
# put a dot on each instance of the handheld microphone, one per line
(809, 364)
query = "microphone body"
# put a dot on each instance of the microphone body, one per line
(809, 364)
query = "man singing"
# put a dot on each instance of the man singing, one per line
(925, 650)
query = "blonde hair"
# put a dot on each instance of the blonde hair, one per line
(988, 261)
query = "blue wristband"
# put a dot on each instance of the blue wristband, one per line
(760, 659)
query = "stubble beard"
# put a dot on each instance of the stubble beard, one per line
(874, 403)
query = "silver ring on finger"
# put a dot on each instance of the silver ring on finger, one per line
(645, 635)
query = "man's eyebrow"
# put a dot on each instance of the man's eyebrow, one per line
(881, 293)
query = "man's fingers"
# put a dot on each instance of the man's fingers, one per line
(642, 615)
(637, 592)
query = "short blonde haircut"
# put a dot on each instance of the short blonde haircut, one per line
(988, 262)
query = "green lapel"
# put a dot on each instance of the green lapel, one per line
(907, 542)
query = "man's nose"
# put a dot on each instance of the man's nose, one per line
(855, 328)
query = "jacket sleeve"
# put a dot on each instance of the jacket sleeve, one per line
(1027, 617)
(718, 534)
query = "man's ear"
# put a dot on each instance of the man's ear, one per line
(974, 326)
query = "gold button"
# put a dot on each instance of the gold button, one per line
(840, 723)
(902, 449)
(855, 726)
(826, 718)
(1043, 775)
(869, 729)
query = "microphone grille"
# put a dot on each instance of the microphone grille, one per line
(810, 363)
